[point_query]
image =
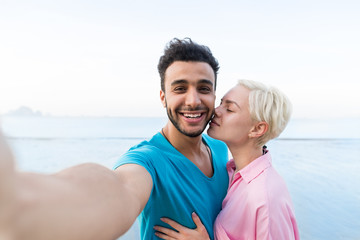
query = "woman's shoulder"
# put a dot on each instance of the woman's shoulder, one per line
(267, 188)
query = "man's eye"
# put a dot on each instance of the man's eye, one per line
(179, 89)
(204, 89)
(229, 110)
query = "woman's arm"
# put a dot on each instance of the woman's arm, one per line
(182, 233)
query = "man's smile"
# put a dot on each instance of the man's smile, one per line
(193, 117)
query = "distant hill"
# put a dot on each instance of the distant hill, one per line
(24, 111)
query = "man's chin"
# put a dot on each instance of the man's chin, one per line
(193, 134)
(186, 129)
(190, 132)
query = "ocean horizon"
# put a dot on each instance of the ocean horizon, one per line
(319, 160)
(140, 127)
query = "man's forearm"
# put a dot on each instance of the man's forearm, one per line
(87, 201)
(82, 202)
(7, 191)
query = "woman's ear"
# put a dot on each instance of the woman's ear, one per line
(162, 98)
(259, 129)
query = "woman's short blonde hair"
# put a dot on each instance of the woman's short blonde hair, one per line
(268, 104)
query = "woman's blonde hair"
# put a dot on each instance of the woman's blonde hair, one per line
(268, 104)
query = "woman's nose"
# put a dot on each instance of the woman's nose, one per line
(217, 112)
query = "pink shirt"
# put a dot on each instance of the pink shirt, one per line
(257, 205)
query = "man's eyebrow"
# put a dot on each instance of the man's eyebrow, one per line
(182, 81)
(206, 81)
(230, 102)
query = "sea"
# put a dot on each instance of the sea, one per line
(318, 158)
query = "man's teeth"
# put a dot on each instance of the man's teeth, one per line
(188, 115)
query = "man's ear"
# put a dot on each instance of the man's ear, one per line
(162, 98)
(259, 129)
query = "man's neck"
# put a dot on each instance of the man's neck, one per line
(180, 141)
(193, 148)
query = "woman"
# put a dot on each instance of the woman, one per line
(257, 204)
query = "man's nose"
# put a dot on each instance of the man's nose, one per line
(192, 98)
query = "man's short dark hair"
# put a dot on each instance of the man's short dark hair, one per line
(185, 50)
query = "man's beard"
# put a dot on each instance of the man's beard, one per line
(177, 125)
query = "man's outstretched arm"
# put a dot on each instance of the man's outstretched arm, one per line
(87, 201)
(7, 191)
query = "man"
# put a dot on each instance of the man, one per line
(177, 172)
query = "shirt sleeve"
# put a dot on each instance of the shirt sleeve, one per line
(140, 157)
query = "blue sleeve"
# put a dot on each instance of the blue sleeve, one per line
(140, 156)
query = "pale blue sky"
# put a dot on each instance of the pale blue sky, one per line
(99, 58)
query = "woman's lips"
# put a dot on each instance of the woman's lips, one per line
(213, 122)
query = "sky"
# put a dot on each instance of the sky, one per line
(99, 58)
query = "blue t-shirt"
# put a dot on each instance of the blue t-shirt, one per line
(179, 187)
